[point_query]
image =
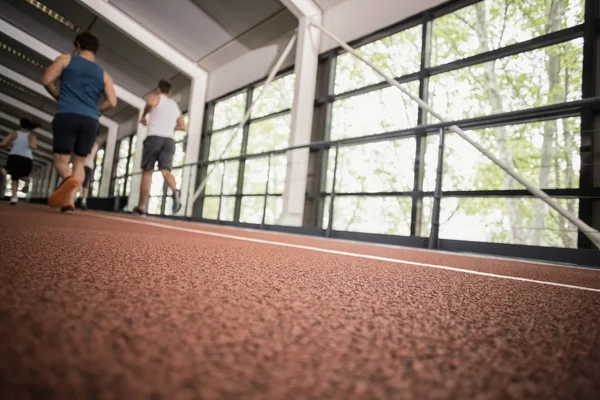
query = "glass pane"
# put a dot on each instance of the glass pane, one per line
(383, 215)
(124, 148)
(178, 175)
(526, 221)
(230, 111)
(278, 96)
(397, 55)
(121, 167)
(227, 208)
(99, 160)
(546, 153)
(119, 187)
(179, 156)
(536, 78)
(156, 188)
(218, 141)
(169, 205)
(133, 144)
(130, 165)
(95, 189)
(269, 134)
(274, 209)
(374, 167)
(252, 209)
(426, 216)
(210, 208)
(378, 111)
(492, 24)
(255, 175)
(213, 186)
(154, 205)
(128, 191)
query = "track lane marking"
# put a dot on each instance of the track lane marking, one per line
(345, 253)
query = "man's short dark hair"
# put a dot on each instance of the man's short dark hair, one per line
(28, 124)
(87, 41)
(164, 86)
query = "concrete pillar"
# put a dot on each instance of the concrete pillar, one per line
(109, 159)
(307, 54)
(136, 179)
(197, 100)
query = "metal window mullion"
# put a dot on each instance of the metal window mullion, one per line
(242, 166)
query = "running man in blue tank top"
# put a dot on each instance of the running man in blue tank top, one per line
(75, 125)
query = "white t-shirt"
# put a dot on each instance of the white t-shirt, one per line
(163, 118)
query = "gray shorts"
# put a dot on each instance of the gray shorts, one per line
(158, 149)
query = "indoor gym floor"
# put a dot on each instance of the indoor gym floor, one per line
(107, 306)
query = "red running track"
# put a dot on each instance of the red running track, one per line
(100, 306)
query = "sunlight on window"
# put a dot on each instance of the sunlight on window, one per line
(460, 34)
(397, 55)
(277, 97)
(510, 83)
(229, 112)
(218, 142)
(526, 221)
(374, 167)
(374, 112)
(255, 175)
(383, 215)
(545, 153)
(269, 134)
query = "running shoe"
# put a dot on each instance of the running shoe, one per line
(13, 200)
(176, 201)
(68, 209)
(139, 211)
(62, 193)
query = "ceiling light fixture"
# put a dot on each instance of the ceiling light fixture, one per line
(17, 53)
(54, 15)
(19, 88)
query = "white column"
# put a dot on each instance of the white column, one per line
(194, 136)
(136, 180)
(109, 159)
(307, 54)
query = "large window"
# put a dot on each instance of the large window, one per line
(507, 71)
(268, 129)
(376, 187)
(124, 167)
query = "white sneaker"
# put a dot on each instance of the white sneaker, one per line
(13, 200)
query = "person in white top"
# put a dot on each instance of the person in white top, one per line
(159, 146)
(20, 157)
(89, 175)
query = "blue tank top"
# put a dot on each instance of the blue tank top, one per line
(81, 85)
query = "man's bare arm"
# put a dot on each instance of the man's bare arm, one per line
(8, 139)
(109, 91)
(53, 73)
(151, 102)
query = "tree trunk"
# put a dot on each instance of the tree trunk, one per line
(504, 151)
(556, 95)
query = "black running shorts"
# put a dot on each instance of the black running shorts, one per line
(89, 174)
(74, 134)
(18, 167)
(158, 149)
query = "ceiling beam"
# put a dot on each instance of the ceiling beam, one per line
(145, 37)
(302, 8)
(51, 53)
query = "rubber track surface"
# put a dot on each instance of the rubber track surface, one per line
(93, 307)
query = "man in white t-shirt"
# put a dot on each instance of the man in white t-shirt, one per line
(159, 146)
